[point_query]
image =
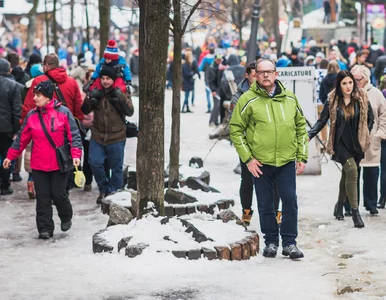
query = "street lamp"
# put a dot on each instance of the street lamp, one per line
(252, 47)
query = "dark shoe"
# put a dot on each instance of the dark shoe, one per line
(16, 177)
(270, 251)
(45, 235)
(209, 111)
(381, 202)
(188, 111)
(7, 191)
(348, 214)
(373, 212)
(338, 211)
(87, 188)
(247, 215)
(182, 111)
(292, 251)
(356, 217)
(100, 198)
(65, 226)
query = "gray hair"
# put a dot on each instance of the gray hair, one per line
(364, 71)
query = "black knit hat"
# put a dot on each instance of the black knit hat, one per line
(108, 71)
(46, 88)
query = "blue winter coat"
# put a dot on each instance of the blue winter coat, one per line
(120, 64)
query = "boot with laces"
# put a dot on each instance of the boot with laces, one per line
(270, 251)
(293, 252)
(246, 217)
(31, 190)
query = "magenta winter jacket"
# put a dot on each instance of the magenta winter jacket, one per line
(61, 126)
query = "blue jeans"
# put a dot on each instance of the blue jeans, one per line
(285, 177)
(114, 155)
(186, 100)
(383, 168)
(208, 100)
(370, 187)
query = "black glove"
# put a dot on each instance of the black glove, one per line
(95, 93)
(128, 85)
(86, 87)
(115, 93)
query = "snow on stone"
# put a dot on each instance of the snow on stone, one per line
(121, 198)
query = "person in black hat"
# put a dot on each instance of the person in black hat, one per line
(295, 59)
(108, 138)
(33, 60)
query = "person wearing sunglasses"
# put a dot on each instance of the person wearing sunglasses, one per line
(268, 130)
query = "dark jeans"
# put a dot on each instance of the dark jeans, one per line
(186, 100)
(246, 187)
(285, 177)
(5, 144)
(114, 155)
(370, 187)
(383, 168)
(51, 186)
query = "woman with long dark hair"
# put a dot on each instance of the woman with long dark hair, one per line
(351, 120)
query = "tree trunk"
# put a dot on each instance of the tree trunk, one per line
(88, 24)
(72, 28)
(174, 151)
(104, 28)
(32, 25)
(153, 42)
(54, 27)
(275, 20)
(241, 38)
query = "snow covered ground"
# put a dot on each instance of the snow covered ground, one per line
(66, 268)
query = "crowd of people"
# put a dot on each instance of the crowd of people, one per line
(56, 114)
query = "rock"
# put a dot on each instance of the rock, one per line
(190, 209)
(169, 211)
(348, 289)
(245, 249)
(179, 253)
(194, 254)
(229, 215)
(99, 244)
(196, 161)
(167, 238)
(237, 170)
(223, 252)
(221, 204)
(209, 254)
(173, 196)
(180, 210)
(205, 177)
(119, 215)
(197, 184)
(165, 220)
(135, 250)
(124, 242)
(236, 253)
(203, 208)
(345, 256)
(132, 180)
(197, 234)
(211, 208)
(255, 241)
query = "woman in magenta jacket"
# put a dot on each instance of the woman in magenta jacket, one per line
(50, 183)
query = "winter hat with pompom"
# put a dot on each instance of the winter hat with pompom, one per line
(111, 51)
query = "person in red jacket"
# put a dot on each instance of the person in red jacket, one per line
(50, 182)
(67, 85)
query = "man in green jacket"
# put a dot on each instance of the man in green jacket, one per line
(268, 130)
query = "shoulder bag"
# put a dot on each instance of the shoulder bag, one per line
(63, 155)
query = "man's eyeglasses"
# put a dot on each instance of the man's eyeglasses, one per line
(263, 72)
(358, 80)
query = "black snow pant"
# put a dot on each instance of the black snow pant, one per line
(5, 144)
(51, 186)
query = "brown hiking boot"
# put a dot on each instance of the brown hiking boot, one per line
(31, 190)
(247, 215)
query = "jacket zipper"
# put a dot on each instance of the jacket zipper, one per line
(269, 116)
(282, 111)
(274, 120)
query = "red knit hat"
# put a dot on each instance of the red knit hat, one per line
(111, 51)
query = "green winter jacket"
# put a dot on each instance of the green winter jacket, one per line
(271, 130)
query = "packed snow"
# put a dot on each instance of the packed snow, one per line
(66, 268)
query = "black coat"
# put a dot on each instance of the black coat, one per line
(340, 122)
(10, 105)
(327, 85)
(380, 65)
(188, 71)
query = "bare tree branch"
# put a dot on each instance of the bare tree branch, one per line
(192, 10)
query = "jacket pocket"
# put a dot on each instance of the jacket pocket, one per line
(52, 125)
